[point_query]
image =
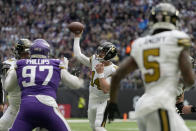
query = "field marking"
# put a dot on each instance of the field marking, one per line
(189, 120)
(126, 129)
(192, 127)
(77, 121)
(86, 121)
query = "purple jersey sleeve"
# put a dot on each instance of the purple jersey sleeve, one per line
(38, 76)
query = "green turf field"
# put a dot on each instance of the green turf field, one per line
(116, 126)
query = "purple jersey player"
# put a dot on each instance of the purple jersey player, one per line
(39, 79)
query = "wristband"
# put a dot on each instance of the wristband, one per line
(101, 75)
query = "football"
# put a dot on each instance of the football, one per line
(76, 27)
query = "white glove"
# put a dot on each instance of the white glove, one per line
(65, 63)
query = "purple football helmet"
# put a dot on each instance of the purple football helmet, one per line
(40, 48)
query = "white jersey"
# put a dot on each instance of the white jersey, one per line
(95, 91)
(157, 58)
(14, 96)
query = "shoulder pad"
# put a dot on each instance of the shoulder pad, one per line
(180, 34)
(136, 44)
(62, 65)
(10, 61)
(182, 38)
(138, 41)
(116, 67)
(6, 66)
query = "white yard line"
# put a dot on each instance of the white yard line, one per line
(78, 121)
(192, 127)
(85, 121)
(126, 129)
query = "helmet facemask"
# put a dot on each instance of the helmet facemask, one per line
(106, 51)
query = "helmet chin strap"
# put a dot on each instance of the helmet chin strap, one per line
(102, 60)
(99, 58)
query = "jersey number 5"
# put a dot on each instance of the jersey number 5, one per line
(153, 65)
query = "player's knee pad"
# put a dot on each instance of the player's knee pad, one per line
(100, 129)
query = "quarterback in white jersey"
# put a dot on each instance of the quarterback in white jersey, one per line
(14, 96)
(102, 69)
(161, 56)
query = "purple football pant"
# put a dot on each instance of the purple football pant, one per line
(33, 114)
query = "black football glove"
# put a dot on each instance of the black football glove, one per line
(179, 107)
(111, 110)
(193, 109)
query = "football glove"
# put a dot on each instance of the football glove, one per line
(193, 109)
(179, 107)
(65, 62)
(111, 110)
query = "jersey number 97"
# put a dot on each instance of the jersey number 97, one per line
(30, 72)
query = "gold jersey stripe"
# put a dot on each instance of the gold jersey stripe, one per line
(103, 124)
(10, 60)
(184, 42)
(164, 120)
(116, 67)
(61, 67)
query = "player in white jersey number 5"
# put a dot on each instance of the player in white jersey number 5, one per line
(160, 56)
(102, 69)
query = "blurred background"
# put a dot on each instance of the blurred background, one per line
(118, 21)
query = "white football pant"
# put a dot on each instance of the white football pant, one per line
(162, 120)
(96, 115)
(8, 118)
